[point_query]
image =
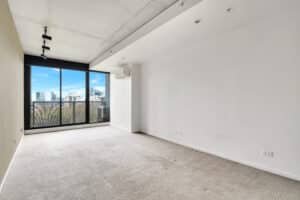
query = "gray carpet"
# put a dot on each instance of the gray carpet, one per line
(109, 164)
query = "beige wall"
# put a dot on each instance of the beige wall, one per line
(11, 88)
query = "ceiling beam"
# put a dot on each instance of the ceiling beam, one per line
(162, 17)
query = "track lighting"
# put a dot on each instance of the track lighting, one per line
(44, 46)
(43, 56)
(46, 37)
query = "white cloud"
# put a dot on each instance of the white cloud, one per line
(102, 89)
(55, 69)
(94, 81)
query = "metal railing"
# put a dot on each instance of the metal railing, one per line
(56, 113)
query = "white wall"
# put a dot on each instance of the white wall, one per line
(11, 88)
(230, 85)
(125, 101)
(120, 102)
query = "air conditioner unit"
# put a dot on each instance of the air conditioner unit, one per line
(122, 71)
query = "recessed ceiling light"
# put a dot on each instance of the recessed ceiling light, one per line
(229, 10)
(197, 21)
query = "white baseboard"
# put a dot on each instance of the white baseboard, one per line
(254, 165)
(121, 128)
(10, 164)
(64, 128)
(243, 162)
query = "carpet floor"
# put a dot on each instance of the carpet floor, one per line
(109, 164)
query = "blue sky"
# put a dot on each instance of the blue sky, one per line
(46, 80)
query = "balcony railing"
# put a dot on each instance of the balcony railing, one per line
(47, 113)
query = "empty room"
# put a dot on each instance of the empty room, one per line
(149, 99)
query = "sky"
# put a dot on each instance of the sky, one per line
(46, 80)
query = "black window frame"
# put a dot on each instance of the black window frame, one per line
(30, 61)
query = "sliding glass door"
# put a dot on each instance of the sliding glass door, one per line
(99, 97)
(73, 96)
(60, 97)
(45, 97)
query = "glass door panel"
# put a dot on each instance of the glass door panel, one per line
(99, 97)
(45, 97)
(73, 96)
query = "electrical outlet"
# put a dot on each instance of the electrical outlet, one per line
(269, 154)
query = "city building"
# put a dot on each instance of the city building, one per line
(40, 96)
(98, 93)
(54, 97)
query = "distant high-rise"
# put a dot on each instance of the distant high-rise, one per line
(98, 92)
(72, 97)
(92, 92)
(53, 96)
(40, 96)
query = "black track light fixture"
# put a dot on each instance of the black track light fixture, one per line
(43, 56)
(46, 47)
(45, 38)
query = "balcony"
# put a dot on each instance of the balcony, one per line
(54, 113)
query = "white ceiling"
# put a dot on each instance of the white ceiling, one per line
(81, 29)
(181, 32)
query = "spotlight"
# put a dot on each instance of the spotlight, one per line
(43, 56)
(46, 37)
(46, 47)
(197, 21)
(229, 10)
